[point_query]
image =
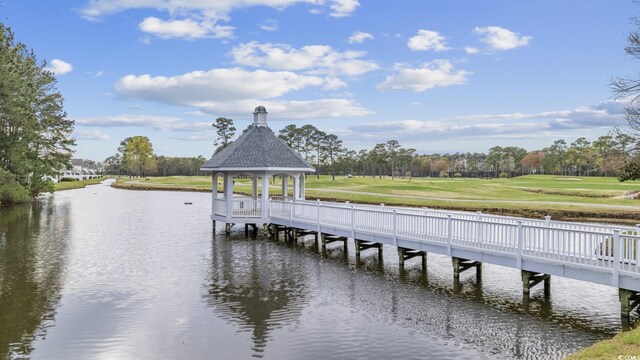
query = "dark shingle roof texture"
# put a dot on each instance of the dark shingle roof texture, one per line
(257, 148)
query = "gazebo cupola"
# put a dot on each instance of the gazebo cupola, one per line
(256, 156)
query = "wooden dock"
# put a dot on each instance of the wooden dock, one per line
(594, 253)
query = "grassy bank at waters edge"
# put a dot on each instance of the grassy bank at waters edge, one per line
(569, 198)
(68, 185)
(625, 345)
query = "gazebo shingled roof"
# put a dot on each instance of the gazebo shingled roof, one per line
(257, 149)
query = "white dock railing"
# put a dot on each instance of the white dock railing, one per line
(582, 245)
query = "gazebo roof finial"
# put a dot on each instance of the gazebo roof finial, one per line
(260, 116)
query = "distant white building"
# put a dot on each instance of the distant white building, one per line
(81, 169)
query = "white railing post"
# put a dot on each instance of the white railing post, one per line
(268, 209)
(395, 227)
(449, 233)
(617, 255)
(319, 235)
(290, 213)
(520, 243)
(545, 239)
(425, 211)
(353, 223)
(478, 227)
(634, 252)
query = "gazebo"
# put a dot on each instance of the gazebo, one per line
(254, 157)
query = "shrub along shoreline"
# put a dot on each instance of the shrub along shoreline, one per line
(68, 185)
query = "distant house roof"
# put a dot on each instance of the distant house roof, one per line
(257, 149)
(77, 162)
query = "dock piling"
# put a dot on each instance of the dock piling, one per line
(461, 265)
(629, 301)
(362, 245)
(531, 279)
(328, 239)
(405, 254)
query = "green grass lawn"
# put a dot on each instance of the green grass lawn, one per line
(533, 195)
(68, 185)
(625, 344)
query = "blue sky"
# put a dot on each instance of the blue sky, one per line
(438, 76)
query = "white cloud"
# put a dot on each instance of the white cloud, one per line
(427, 40)
(341, 8)
(90, 135)
(221, 84)
(313, 59)
(198, 113)
(96, 74)
(187, 29)
(359, 37)
(471, 50)
(202, 16)
(59, 67)
(438, 73)
(333, 83)
(517, 125)
(128, 120)
(499, 38)
(604, 114)
(199, 137)
(237, 91)
(294, 109)
(269, 25)
(436, 129)
(163, 123)
(209, 8)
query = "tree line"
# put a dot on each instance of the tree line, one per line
(614, 154)
(35, 133)
(608, 155)
(136, 157)
(605, 156)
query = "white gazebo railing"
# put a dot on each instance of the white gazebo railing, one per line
(220, 206)
(246, 207)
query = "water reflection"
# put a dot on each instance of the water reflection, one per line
(143, 278)
(32, 249)
(255, 288)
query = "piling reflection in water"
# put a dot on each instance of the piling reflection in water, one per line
(32, 248)
(254, 288)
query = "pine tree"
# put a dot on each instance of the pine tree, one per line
(35, 133)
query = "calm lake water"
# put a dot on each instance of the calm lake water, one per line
(101, 273)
